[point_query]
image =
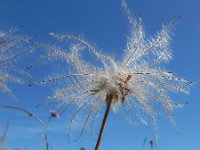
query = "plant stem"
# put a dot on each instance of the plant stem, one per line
(109, 102)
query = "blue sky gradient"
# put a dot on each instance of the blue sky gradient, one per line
(103, 23)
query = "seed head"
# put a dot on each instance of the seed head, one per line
(12, 46)
(138, 83)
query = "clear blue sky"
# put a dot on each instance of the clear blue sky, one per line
(104, 23)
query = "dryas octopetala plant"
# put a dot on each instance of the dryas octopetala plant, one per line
(12, 47)
(134, 84)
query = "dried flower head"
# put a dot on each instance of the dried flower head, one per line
(54, 114)
(12, 46)
(136, 83)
